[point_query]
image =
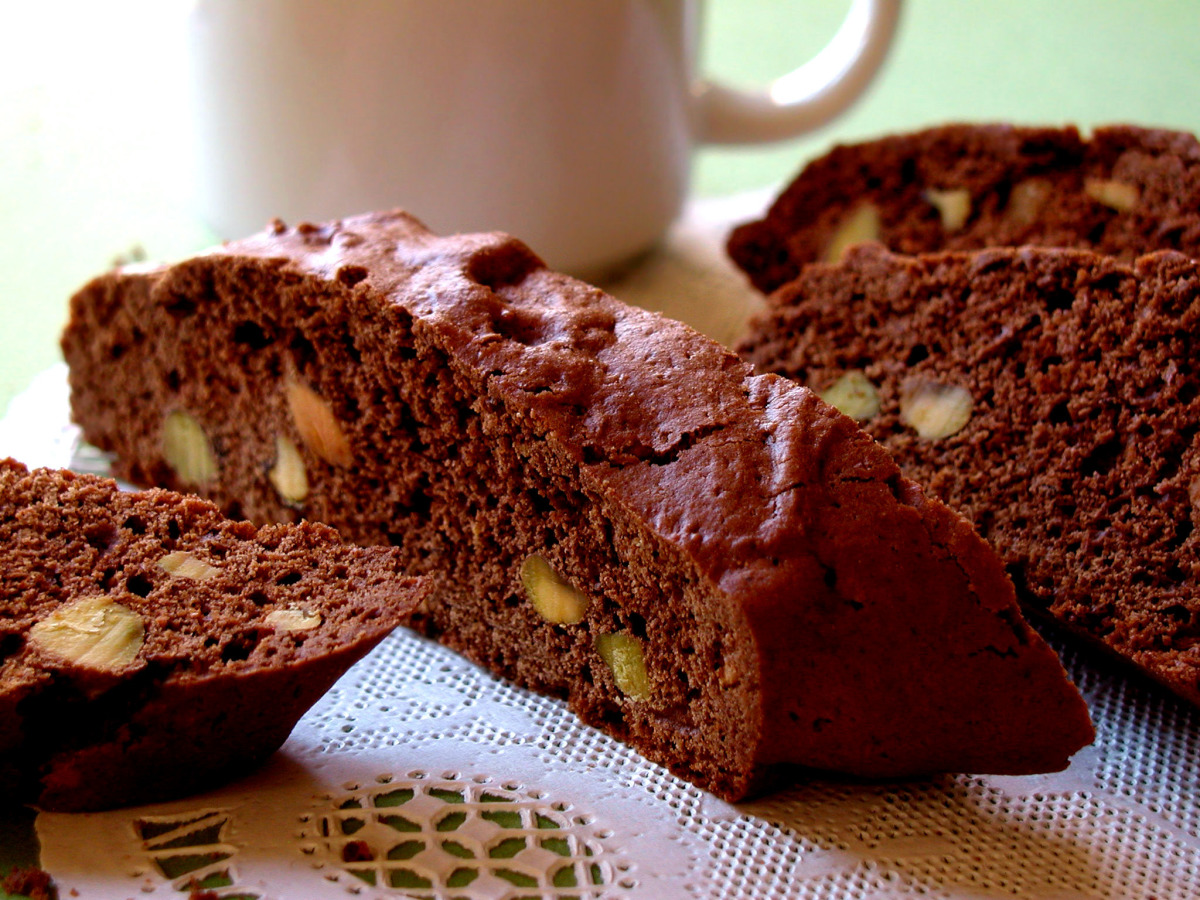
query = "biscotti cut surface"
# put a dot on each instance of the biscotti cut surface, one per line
(151, 648)
(1125, 191)
(714, 566)
(1052, 397)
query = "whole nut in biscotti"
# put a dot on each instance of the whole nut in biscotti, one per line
(1118, 195)
(1194, 497)
(288, 474)
(862, 224)
(853, 395)
(94, 632)
(622, 653)
(187, 450)
(292, 619)
(183, 565)
(317, 425)
(953, 205)
(935, 410)
(555, 600)
(1027, 198)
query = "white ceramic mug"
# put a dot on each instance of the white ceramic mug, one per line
(569, 123)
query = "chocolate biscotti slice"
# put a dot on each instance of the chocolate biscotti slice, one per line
(1125, 191)
(1051, 396)
(151, 648)
(713, 566)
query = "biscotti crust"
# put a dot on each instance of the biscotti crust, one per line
(735, 528)
(1123, 191)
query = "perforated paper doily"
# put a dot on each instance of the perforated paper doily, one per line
(420, 775)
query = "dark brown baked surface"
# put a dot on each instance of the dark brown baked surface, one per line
(1123, 191)
(218, 637)
(790, 597)
(1079, 458)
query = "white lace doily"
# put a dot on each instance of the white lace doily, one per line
(420, 775)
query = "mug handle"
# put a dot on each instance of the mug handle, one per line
(809, 96)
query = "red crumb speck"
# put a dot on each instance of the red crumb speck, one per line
(357, 851)
(33, 883)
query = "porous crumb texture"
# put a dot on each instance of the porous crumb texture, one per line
(1125, 191)
(236, 631)
(725, 562)
(1077, 457)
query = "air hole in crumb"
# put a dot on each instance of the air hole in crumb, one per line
(917, 354)
(101, 536)
(541, 504)
(1059, 298)
(252, 335)
(1102, 458)
(1177, 612)
(134, 524)
(1110, 282)
(614, 720)
(718, 654)
(258, 598)
(180, 307)
(302, 351)
(637, 624)
(9, 645)
(139, 585)
(1049, 362)
(239, 647)
(288, 579)
(1183, 531)
(420, 503)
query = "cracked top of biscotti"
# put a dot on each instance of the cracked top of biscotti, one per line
(628, 391)
(781, 507)
(620, 381)
(1123, 191)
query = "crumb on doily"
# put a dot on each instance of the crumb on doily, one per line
(31, 882)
